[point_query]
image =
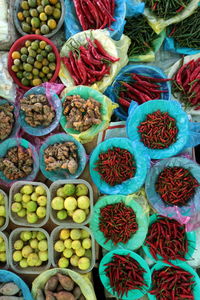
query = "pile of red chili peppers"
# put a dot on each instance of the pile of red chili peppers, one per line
(158, 131)
(116, 165)
(117, 222)
(176, 186)
(125, 274)
(140, 88)
(172, 283)
(88, 63)
(95, 14)
(187, 83)
(166, 237)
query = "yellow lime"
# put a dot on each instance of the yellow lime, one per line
(45, 62)
(42, 44)
(48, 10)
(15, 68)
(56, 13)
(16, 54)
(36, 82)
(53, 1)
(24, 5)
(43, 16)
(38, 64)
(52, 24)
(33, 12)
(20, 16)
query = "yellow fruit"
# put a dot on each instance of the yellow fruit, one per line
(37, 31)
(36, 81)
(20, 16)
(15, 55)
(48, 10)
(64, 234)
(43, 16)
(53, 1)
(52, 24)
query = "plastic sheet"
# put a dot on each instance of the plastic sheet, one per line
(134, 8)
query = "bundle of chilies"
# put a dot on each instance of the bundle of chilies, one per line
(172, 282)
(167, 238)
(125, 274)
(140, 88)
(88, 63)
(117, 222)
(187, 83)
(95, 14)
(176, 186)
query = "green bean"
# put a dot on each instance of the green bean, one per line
(141, 35)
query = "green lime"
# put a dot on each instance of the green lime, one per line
(37, 81)
(26, 13)
(32, 53)
(24, 50)
(27, 44)
(39, 51)
(25, 81)
(51, 57)
(35, 22)
(15, 68)
(34, 45)
(52, 66)
(24, 58)
(35, 72)
(17, 62)
(48, 10)
(34, 12)
(28, 67)
(40, 8)
(45, 2)
(41, 74)
(44, 53)
(49, 75)
(48, 48)
(21, 67)
(44, 29)
(38, 65)
(26, 27)
(30, 60)
(28, 20)
(39, 57)
(45, 62)
(56, 13)
(45, 70)
(44, 79)
(42, 44)
(32, 3)
(24, 74)
(28, 75)
(58, 5)
(24, 5)
(19, 75)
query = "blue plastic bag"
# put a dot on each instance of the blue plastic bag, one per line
(7, 276)
(60, 174)
(54, 101)
(72, 25)
(183, 213)
(187, 136)
(131, 185)
(134, 8)
(138, 69)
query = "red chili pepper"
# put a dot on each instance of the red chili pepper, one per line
(104, 53)
(123, 102)
(79, 13)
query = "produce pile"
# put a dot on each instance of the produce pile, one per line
(63, 145)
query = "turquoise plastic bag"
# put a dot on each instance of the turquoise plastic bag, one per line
(182, 214)
(111, 91)
(55, 102)
(183, 265)
(132, 294)
(136, 239)
(7, 276)
(12, 142)
(134, 8)
(190, 236)
(131, 185)
(60, 173)
(72, 25)
(186, 137)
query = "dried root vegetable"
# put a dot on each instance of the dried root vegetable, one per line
(17, 163)
(61, 156)
(6, 120)
(80, 113)
(37, 109)
(10, 291)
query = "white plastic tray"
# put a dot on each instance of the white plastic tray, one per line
(2, 228)
(6, 264)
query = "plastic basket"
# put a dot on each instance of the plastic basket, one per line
(22, 221)
(6, 264)
(132, 294)
(2, 228)
(29, 270)
(55, 255)
(18, 26)
(59, 183)
(19, 44)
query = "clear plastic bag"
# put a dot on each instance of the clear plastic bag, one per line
(7, 86)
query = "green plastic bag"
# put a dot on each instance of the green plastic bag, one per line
(83, 282)
(136, 239)
(114, 48)
(158, 24)
(107, 107)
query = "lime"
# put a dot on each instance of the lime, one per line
(44, 53)
(26, 13)
(45, 79)
(39, 2)
(36, 81)
(45, 62)
(24, 5)
(28, 43)
(57, 13)
(32, 53)
(19, 75)
(39, 51)
(20, 16)
(43, 16)
(48, 10)
(49, 75)
(35, 72)
(34, 12)
(26, 27)
(29, 76)
(34, 45)
(30, 60)
(42, 44)
(17, 62)
(28, 67)
(48, 48)
(38, 64)
(39, 57)
(58, 5)
(32, 3)
(45, 2)
(52, 24)
(28, 20)
(53, 1)
(16, 54)
(35, 22)
(45, 70)
(44, 29)
(52, 66)
(37, 31)
(40, 8)
(51, 57)
(25, 81)
(24, 50)
(15, 68)
(41, 74)
(21, 67)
